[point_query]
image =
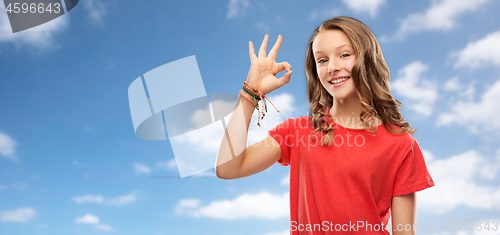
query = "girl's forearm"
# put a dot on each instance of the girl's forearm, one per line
(232, 149)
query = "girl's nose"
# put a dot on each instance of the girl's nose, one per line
(333, 66)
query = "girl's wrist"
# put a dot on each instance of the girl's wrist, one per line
(256, 97)
(247, 96)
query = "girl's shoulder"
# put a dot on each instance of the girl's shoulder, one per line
(396, 134)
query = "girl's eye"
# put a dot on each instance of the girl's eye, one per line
(321, 61)
(345, 55)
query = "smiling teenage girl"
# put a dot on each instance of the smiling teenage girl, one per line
(353, 160)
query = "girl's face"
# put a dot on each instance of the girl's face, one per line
(335, 58)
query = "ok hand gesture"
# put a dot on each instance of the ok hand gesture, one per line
(264, 68)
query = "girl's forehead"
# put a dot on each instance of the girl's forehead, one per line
(331, 39)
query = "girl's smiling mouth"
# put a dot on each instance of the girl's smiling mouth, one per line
(338, 81)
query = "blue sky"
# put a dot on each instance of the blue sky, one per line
(70, 162)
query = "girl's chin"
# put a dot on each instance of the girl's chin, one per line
(342, 96)
(343, 92)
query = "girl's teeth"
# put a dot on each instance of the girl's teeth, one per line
(338, 80)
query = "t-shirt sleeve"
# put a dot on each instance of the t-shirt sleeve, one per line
(412, 174)
(279, 133)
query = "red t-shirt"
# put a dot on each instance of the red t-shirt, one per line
(347, 187)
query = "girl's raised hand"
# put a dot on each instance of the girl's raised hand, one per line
(263, 70)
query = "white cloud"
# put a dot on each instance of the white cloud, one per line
(186, 204)
(479, 116)
(41, 37)
(141, 168)
(480, 53)
(469, 92)
(460, 88)
(453, 85)
(92, 219)
(99, 199)
(206, 139)
(457, 183)
(122, 200)
(89, 198)
(96, 10)
(7, 146)
(428, 156)
(420, 93)
(364, 6)
(442, 15)
(237, 7)
(263, 205)
(87, 219)
(285, 180)
(19, 215)
(104, 227)
(284, 102)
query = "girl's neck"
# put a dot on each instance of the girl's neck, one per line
(346, 112)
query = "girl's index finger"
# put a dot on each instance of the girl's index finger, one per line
(274, 51)
(251, 50)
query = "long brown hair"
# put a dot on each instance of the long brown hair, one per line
(371, 78)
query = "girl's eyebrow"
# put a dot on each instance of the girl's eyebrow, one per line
(344, 45)
(339, 47)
